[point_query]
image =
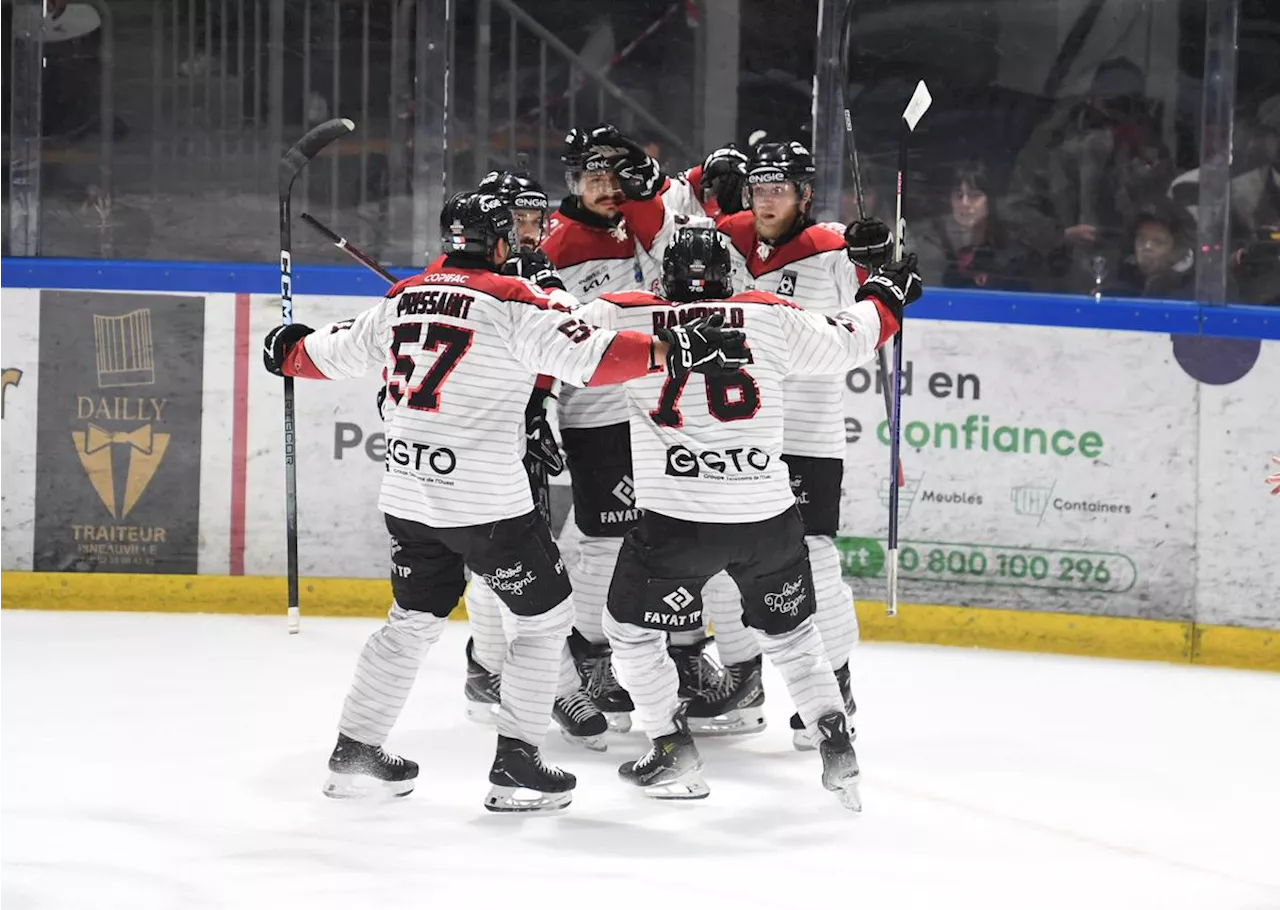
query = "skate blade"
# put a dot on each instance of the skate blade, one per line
(849, 795)
(521, 799)
(362, 786)
(594, 743)
(619, 721)
(689, 785)
(482, 712)
(731, 723)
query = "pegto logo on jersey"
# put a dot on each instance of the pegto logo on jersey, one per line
(423, 459)
(731, 464)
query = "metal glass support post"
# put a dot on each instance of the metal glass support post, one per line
(828, 116)
(1218, 120)
(26, 123)
(432, 71)
(484, 47)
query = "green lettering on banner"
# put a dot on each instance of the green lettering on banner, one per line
(976, 434)
(992, 565)
(860, 557)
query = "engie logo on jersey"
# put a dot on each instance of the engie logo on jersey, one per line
(729, 463)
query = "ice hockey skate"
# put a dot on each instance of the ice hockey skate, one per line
(581, 722)
(698, 671)
(522, 783)
(800, 736)
(840, 773)
(733, 706)
(360, 771)
(671, 769)
(483, 690)
(595, 666)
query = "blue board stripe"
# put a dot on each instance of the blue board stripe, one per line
(1165, 316)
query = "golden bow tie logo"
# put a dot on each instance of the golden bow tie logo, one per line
(97, 438)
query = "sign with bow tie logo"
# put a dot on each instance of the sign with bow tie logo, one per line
(118, 437)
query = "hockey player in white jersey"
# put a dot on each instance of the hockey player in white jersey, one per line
(462, 347)
(716, 495)
(777, 247)
(608, 235)
(577, 716)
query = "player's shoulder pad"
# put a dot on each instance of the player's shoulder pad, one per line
(569, 243)
(740, 228)
(823, 237)
(403, 285)
(762, 297)
(634, 299)
(507, 288)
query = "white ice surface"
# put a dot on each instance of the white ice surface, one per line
(164, 761)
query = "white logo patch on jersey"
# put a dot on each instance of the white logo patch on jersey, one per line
(625, 492)
(678, 599)
(787, 283)
(789, 599)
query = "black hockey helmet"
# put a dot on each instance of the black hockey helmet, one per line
(696, 266)
(517, 191)
(580, 157)
(781, 162)
(473, 223)
(778, 162)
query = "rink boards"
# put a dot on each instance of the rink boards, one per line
(1082, 477)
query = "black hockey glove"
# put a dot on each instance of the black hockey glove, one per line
(535, 266)
(576, 145)
(895, 285)
(639, 175)
(724, 173)
(278, 343)
(704, 346)
(541, 445)
(868, 243)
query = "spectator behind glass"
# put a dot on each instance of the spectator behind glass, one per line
(1083, 175)
(969, 248)
(1161, 259)
(1254, 205)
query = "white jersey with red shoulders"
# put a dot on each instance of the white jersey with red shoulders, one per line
(709, 449)
(596, 257)
(683, 195)
(810, 269)
(462, 348)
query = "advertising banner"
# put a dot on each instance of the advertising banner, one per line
(339, 461)
(1046, 468)
(118, 432)
(19, 358)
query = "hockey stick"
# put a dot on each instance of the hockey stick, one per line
(351, 250)
(916, 107)
(851, 152)
(291, 165)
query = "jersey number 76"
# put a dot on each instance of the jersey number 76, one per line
(732, 397)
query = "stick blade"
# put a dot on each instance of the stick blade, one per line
(916, 107)
(308, 147)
